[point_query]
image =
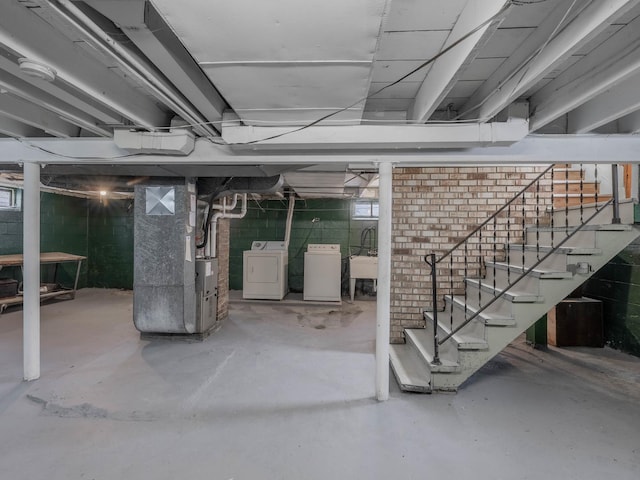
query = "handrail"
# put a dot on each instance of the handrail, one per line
(522, 204)
(524, 274)
(483, 224)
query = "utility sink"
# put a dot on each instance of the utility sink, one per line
(361, 267)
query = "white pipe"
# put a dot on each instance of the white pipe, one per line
(224, 206)
(31, 272)
(224, 214)
(383, 323)
(133, 65)
(287, 233)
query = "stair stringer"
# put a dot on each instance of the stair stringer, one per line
(553, 291)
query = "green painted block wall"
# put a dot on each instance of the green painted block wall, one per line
(617, 284)
(101, 232)
(63, 228)
(110, 240)
(314, 221)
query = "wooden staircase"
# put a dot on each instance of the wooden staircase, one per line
(570, 187)
(566, 264)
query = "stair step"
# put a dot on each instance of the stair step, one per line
(563, 250)
(620, 227)
(574, 181)
(560, 174)
(537, 272)
(465, 342)
(600, 196)
(462, 340)
(572, 187)
(489, 319)
(513, 296)
(422, 341)
(412, 374)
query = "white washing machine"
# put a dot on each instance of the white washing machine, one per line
(265, 271)
(322, 273)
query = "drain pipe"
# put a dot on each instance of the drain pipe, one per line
(213, 227)
(287, 233)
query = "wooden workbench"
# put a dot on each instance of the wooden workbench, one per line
(46, 258)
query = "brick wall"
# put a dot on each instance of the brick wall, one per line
(435, 208)
(223, 268)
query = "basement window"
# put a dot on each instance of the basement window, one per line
(10, 198)
(365, 210)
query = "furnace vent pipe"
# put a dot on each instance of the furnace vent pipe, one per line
(213, 227)
(287, 234)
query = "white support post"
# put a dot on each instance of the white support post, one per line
(31, 272)
(383, 323)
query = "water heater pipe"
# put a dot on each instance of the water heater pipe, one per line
(287, 234)
(213, 227)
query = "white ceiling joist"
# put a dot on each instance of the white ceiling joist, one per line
(534, 149)
(615, 103)
(33, 94)
(511, 65)
(146, 29)
(630, 123)
(592, 21)
(14, 128)
(62, 55)
(605, 66)
(373, 137)
(31, 114)
(446, 69)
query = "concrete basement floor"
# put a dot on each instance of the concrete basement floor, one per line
(286, 392)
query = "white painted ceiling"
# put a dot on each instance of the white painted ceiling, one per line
(262, 66)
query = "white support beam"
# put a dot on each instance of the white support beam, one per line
(605, 66)
(14, 128)
(375, 137)
(25, 33)
(593, 20)
(31, 272)
(526, 51)
(383, 307)
(36, 116)
(615, 103)
(446, 69)
(534, 149)
(630, 123)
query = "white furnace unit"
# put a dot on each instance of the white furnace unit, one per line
(265, 271)
(322, 273)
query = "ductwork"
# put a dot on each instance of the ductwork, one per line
(222, 187)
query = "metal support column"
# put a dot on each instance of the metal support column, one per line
(616, 194)
(31, 269)
(383, 323)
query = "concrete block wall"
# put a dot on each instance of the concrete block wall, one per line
(617, 284)
(435, 208)
(63, 228)
(110, 240)
(314, 221)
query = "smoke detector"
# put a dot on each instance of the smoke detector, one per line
(37, 69)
